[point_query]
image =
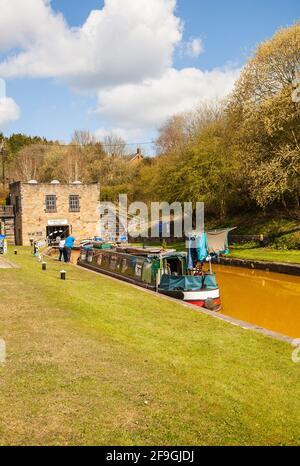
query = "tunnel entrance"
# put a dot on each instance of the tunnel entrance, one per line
(56, 233)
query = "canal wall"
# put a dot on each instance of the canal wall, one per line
(278, 267)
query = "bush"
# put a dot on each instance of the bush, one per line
(289, 241)
(246, 245)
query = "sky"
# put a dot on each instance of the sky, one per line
(123, 66)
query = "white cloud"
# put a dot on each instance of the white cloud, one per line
(2, 88)
(9, 111)
(126, 41)
(194, 48)
(123, 54)
(149, 104)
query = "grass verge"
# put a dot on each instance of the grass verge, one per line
(91, 361)
(265, 254)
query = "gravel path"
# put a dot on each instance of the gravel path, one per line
(6, 264)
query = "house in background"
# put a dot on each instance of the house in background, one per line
(138, 157)
(51, 210)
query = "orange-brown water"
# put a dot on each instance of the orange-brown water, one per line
(266, 299)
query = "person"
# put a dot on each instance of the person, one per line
(36, 251)
(199, 269)
(69, 243)
(61, 246)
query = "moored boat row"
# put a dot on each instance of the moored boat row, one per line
(180, 275)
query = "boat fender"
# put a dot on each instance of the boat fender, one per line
(210, 304)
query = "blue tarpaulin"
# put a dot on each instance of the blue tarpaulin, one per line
(188, 282)
(171, 283)
(201, 246)
(196, 244)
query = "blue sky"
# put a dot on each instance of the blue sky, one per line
(228, 31)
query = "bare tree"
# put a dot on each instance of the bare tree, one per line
(83, 138)
(29, 162)
(115, 146)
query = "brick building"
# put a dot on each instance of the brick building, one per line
(54, 210)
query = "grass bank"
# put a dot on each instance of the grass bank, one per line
(265, 254)
(94, 361)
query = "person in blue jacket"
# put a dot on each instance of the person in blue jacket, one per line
(69, 244)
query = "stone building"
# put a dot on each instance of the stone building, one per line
(7, 223)
(54, 210)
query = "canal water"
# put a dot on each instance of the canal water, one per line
(266, 299)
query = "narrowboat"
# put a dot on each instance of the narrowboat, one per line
(186, 276)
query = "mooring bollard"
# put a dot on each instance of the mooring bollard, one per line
(44, 266)
(62, 275)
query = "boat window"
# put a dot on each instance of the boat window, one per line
(124, 265)
(113, 262)
(174, 265)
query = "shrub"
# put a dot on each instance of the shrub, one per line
(289, 241)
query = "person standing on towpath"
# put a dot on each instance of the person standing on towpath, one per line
(69, 244)
(61, 246)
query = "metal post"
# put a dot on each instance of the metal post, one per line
(210, 267)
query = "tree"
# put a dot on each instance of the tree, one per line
(266, 122)
(83, 138)
(115, 146)
(28, 162)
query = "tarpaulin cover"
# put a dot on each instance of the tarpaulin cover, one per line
(217, 241)
(171, 283)
(197, 249)
(210, 281)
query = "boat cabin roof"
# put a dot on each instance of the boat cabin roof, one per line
(149, 252)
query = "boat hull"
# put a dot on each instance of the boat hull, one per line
(197, 298)
(207, 299)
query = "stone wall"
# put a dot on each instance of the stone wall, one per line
(32, 219)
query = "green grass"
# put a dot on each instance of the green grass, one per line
(265, 254)
(94, 361)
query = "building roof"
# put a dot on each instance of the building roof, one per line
(137, 157)
(52, 183)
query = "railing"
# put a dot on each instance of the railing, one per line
(6, 211)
